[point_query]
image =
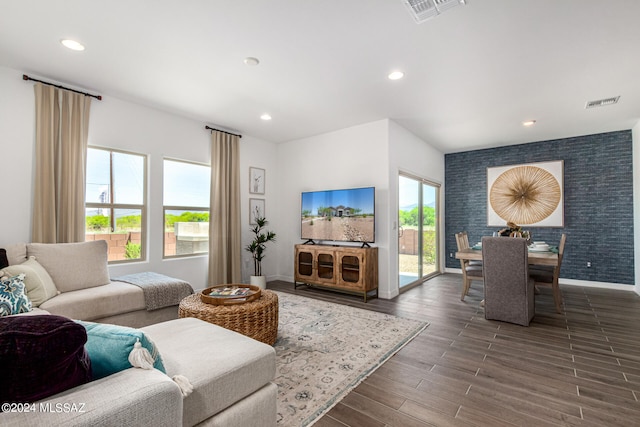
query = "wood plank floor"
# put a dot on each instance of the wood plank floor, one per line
(581, 367)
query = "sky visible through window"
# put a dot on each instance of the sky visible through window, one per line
(128, 180)
(184, 184)
(408, 194)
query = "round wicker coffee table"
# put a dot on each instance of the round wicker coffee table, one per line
(257, 319)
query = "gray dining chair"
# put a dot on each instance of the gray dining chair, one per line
(508, 290)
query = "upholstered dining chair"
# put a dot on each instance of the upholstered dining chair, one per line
(471, 270)
(508, 289)
(549, 276)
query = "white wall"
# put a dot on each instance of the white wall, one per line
(259, 154)
(16, 156)
(410, 154)
(352, 157)
(117, 124)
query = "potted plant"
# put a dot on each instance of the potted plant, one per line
(257, 248)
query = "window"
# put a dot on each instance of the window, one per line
(115, 202)
(186, 208)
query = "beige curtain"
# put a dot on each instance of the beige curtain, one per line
(225, 246)
(62, 127)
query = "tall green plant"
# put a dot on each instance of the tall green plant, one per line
(259, 244)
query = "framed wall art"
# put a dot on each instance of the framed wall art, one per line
(530, 194)
(256, 210)
(256, 180)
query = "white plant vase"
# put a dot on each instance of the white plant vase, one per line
(259, 281)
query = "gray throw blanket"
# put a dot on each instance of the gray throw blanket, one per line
(159, 290)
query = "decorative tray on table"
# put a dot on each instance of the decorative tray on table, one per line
(229, 294)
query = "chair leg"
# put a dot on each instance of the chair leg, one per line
(466, 284)
(557, 297)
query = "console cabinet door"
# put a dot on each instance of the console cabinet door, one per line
(350, 269)
(304, 264)
(325, 266)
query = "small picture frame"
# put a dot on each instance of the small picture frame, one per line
(256, 180)
(256, 210)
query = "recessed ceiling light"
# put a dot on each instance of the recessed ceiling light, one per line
(396, 75)
(265, 117)
(251, 61)
(72, 44)
(529, 123)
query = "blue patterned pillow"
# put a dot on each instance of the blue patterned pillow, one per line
(13, 298)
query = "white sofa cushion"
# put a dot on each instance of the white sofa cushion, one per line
(97, 302)
(40, 286)
(236, 366)
(137, 397)
(73, 266)
(34, 312)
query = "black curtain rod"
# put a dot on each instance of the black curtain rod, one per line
(98, 97)
(223, 131)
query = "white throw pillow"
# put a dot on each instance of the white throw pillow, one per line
(38, 283)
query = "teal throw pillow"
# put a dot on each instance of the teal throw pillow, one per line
(13, 296)
(109, 347)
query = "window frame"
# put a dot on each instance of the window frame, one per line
(114, 206)
(166, 208)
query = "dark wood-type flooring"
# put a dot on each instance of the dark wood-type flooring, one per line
(581, 367)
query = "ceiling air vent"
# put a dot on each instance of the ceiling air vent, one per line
(602, 102)
(421, 10)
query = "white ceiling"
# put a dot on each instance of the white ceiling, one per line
(472, 74)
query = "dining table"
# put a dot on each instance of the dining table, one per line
(535, 257)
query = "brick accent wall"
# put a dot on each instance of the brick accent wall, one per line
(598, 201)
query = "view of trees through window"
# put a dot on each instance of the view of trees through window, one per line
(410, 217)
(115, 201)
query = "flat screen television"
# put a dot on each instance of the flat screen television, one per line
(346, 215)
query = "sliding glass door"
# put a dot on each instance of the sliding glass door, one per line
(417, 229)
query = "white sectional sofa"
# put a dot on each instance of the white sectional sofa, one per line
(230, 374)
(83, 288)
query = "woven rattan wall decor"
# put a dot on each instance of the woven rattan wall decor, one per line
(527, 194)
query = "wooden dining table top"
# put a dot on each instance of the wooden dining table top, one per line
(535, 258)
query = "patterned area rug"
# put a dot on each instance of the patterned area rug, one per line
(324, 350)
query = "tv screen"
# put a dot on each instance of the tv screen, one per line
(339, 215)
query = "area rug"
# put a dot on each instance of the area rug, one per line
(324, 350)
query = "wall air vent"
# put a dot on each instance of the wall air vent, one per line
(421, 10)
(602, 102)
